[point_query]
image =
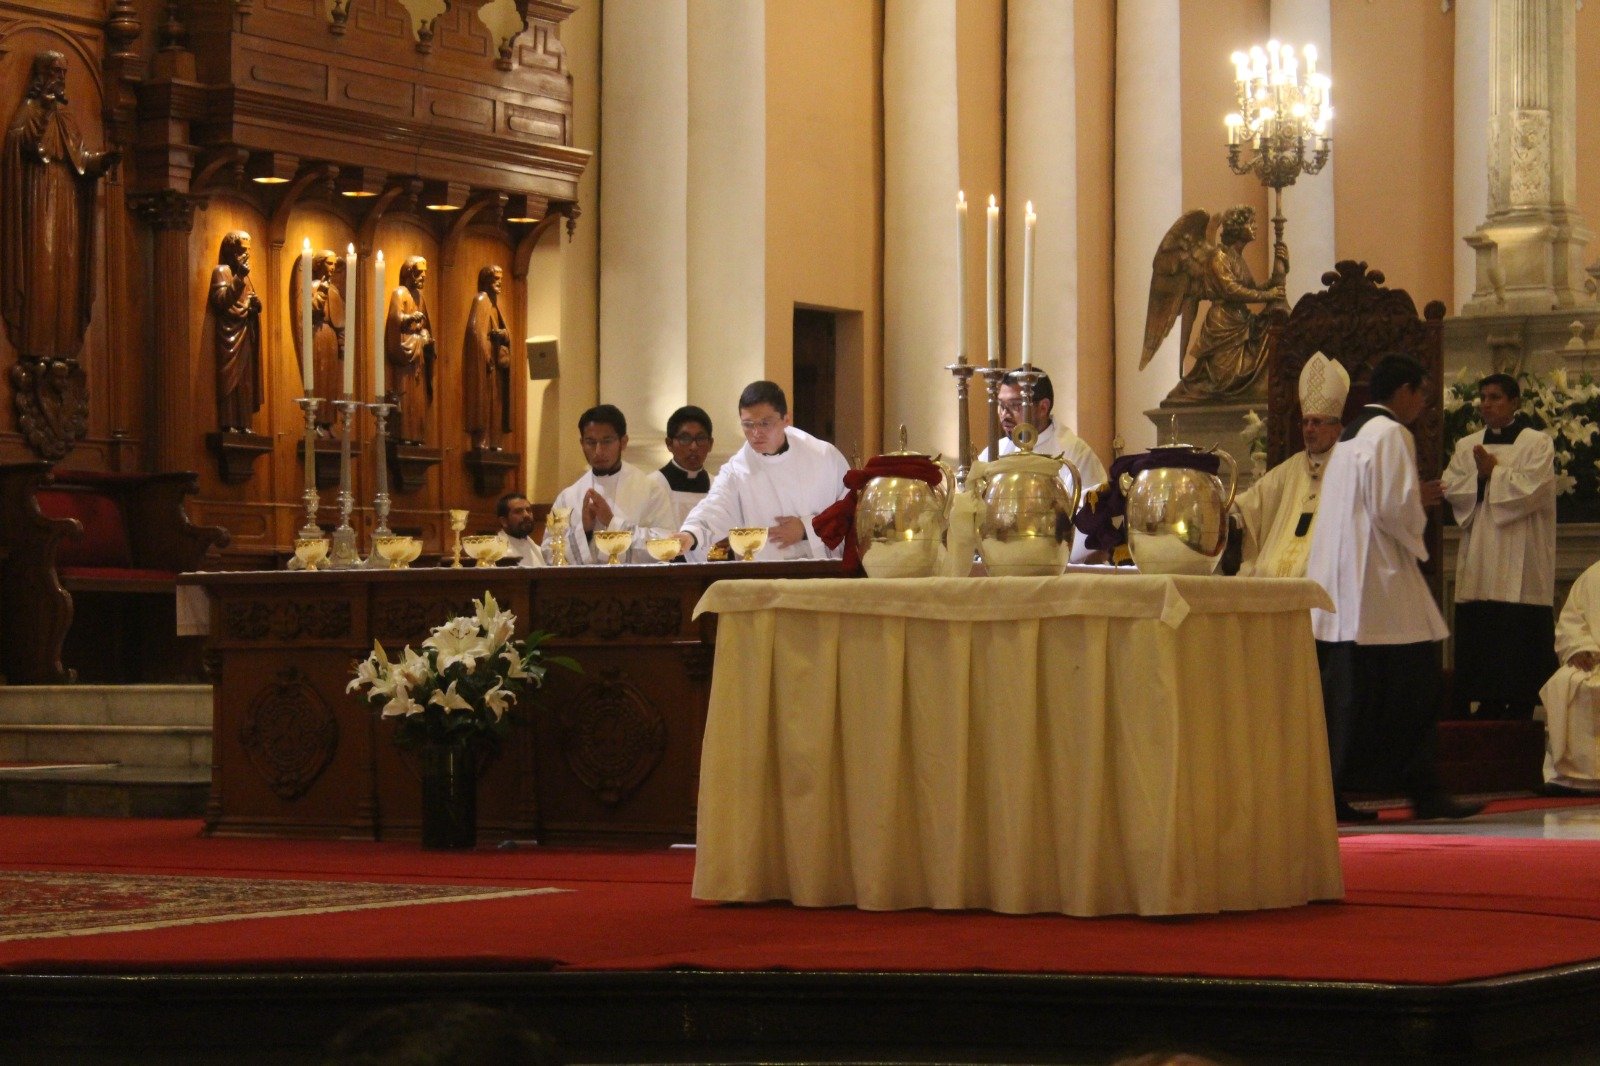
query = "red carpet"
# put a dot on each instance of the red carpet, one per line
(1418, 909)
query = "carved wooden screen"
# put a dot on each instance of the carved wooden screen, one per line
(1357, 320)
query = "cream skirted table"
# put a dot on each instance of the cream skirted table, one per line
(1096, 743)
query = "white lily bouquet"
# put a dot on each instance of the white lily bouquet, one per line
(464, 682)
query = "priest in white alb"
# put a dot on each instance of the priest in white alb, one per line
(1571, 697)
(779, 480)
(1279, 511)
(611, 494)
(1501, 484)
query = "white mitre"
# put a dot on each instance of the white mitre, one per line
(1324, 384)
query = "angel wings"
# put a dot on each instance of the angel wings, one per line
(1179, 280)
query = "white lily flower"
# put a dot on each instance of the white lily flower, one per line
(449, 699)
(495, 624)
(499, 700)
(514, 670)
(374, 673)
(413, 668)
(1565, 484)
(401, 704)
(458, 642)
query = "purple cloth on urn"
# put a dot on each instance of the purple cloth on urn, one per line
(1100, 519)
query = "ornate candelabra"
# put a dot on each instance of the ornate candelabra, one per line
(1284, 124)
(346, 554)
(380, 500)
(308, 407)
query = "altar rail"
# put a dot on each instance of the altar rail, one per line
(608, 755)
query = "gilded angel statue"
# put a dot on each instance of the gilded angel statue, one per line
(1202, 258)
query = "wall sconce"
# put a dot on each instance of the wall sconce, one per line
(271, 168)
(357, 182)
(444, 195)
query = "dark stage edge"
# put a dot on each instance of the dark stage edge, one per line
(684, 1016)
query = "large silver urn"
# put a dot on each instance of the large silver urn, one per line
(1024, 511)
(1177, 517)
(900, 521)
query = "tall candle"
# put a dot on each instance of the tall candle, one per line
(349, 350)
(377, 326)
(994, 282)
(1028, 221)
(307, 357)
(961, 276)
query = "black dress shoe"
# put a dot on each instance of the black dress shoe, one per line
(1346, 813)
(1442, 806)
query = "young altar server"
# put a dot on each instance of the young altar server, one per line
(1501, 484)
(1054, 439)
(1571, 697)
(780, 479)
(1280, 510)
(685, 476)
(612, 494)
(1379, 648)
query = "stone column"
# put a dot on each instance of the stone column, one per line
(1529, 248)
(1308, 204)
(1042, 166)
(921, 178)
(644, 138)
(1148, 199)
(727, 216)
(174, 440)
(1474, 23)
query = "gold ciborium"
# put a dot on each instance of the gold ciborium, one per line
(1177, 516)
(556, 527)
(312, 552)
(400, 551)
(663, 549)
(458, 522)
(747, 540)
(486, 549)
(613, 543)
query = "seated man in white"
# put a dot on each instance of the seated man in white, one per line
(780, 479)
(1571, 697)
(1054, 439)
(685, 475)
(612, 494)
(516, 527)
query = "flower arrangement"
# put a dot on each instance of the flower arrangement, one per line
(1564, 408)
(463, 683)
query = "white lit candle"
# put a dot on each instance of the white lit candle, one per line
(1028, 221)
(307, 358)
(993, 273)
(961, 276)
(349, 350)
(377, 326)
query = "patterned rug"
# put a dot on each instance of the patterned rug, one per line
(38, 905)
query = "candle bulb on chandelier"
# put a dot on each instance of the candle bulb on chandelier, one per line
(347, 350)
(306, 356)
(961, 277)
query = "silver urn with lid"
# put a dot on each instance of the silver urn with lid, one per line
(1024, 511)
(1177, 516)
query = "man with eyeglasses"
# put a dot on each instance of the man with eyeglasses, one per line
(1279, 510)
(1054, 439)
(612, 494)
(780, 479)
(685, 477)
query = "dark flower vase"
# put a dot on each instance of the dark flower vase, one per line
(449, 795)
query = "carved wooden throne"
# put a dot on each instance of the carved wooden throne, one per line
(1357, 320)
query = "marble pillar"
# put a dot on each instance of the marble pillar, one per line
(1474, 20)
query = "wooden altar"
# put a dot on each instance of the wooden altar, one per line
(608, 755)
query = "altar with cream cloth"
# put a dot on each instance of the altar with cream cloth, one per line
(1095, 743)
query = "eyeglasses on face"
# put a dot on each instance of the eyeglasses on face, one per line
(691, 440)
(764, 425)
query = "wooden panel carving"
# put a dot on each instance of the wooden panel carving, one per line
(289, 734)
(280, 620)
(412, 618)
(612, 737)
(309, 81)
(460, 109)
(372, 93)
(608, 617)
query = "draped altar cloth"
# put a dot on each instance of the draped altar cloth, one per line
(1098, 743)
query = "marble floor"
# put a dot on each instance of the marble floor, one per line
(1566, 823)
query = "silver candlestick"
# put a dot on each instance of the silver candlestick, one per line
(963, 371)
(308, 407)
(992, 377)
(380, 501)
(346, 554)
(1027, 376)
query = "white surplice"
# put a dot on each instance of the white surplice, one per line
(1366, 548)
(682, 502)
(1272, 509)
(1508, 540)
(525, 551)
(638, 502)
(1056, 439)
(1571, 697)
(753, 489)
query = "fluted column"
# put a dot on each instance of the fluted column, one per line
(1308, 204)
(921, 178)
(727, 215)
(1042, 166)
(644, 137)
(1474, 29)
(170, 216)
(1148, 198)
